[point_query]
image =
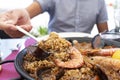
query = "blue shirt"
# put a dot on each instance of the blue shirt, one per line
(74, 15)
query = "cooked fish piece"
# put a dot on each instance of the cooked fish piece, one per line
(110, 66)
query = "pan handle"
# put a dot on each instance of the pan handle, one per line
(6, 61)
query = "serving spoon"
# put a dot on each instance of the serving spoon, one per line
(39, 53)
(97, 41)
(26, 33)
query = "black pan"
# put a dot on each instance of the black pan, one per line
(19, 58)
(18, 62)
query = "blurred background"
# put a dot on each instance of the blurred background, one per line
(41, 21)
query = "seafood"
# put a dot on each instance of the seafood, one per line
(110, 66)
(86, 49)
(100, 52)
(107, 52)
(107, 61)
(75, 62)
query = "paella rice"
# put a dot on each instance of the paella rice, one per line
(60, 48)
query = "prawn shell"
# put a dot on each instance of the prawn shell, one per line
(76, 60)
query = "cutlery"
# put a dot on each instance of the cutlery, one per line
(97, 41)
(26, 33)
(40, 53)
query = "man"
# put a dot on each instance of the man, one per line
(65, 16)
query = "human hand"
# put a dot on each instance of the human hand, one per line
(10, 19)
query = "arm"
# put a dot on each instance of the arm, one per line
(102, 27)
(20, 17)
(34, 9)
(102, 17)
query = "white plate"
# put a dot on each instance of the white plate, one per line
(68, 35)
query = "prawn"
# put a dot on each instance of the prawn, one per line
(99, 52)
(75, 62)
(107, 62)
(107, 52)
(85, 49)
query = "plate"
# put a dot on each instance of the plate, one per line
(68, 35)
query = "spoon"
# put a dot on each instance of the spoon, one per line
(98, 41)
(26, 33)
(39, 53)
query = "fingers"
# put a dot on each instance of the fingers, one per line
(7, 16)
(9, 22)
(10, 19)
(6, 21)
(4, 26)
(27, 27)
(13, 32)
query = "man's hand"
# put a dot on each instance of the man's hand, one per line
(10, 19)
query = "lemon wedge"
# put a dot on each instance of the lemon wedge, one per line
(116, 54)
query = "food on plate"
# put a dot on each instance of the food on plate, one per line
(76, 60)
(88, 50)
(54, 43)
(72, 61)
(110, 66)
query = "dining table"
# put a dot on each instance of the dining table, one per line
(9, 48)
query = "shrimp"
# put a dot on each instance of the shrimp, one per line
(75, 62)
(86, 49)
(107, 52)
(99, 52)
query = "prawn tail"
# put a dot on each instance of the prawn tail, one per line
(107, 52)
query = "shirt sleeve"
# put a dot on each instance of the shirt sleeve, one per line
(102, 16)
(46, 4)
